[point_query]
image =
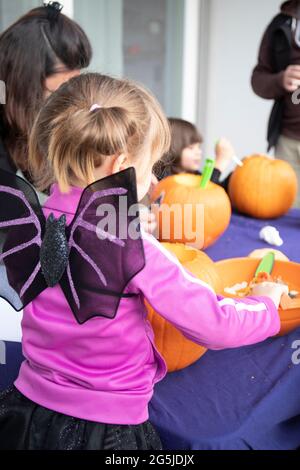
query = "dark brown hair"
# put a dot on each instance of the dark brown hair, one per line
(30, 51)
(183, 134)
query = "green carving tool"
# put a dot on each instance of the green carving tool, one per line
(207, 172)
(267, 263)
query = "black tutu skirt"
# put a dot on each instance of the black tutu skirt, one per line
(24, 425)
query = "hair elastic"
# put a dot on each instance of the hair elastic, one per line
(94, 107)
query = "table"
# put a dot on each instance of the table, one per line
(247, 398)
(242, 237)
(10, 361)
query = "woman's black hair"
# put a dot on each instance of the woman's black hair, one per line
(32, 49)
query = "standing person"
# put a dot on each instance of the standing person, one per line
(277, 77)
(91, 363)
(38, 53)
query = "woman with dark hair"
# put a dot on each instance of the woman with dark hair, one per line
(38, 53)
(185, 153)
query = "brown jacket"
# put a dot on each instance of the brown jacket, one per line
(267, 78)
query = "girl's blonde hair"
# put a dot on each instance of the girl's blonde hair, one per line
(68, 140)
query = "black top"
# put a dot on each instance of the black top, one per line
(277, 52)
(6, 162)
(281, 39)
(216, 179)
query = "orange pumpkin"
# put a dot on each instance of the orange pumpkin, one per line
(190, 214)
(263, 188)
(178, 351)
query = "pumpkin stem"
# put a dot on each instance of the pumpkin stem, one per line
(207, 172)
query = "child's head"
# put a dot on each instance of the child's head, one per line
(185, 152)
(73, 145)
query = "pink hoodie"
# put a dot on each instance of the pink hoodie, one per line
(105, 370)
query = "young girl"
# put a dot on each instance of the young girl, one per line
(88, 385)
(185, 154)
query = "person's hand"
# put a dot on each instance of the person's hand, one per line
(272, 290)
(148, 220)
(291, 78)
(224, 154)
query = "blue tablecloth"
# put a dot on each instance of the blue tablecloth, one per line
(10, 361)
(242, 237)
(236, 399)
(247, 398)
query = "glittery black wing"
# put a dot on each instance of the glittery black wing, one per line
(22, 225)
(106, 249)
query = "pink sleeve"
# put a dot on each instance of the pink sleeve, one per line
(194, 308)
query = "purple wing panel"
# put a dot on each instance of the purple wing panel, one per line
(106, 249)
(21, 230)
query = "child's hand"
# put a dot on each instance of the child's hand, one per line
(148, 220)
(272, 290)
(224, 154)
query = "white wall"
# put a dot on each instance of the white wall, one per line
(11, 10)
(229, 107)
(144, 43)
(10, 323)
(68, 7)
(191, 57)
(102, 21)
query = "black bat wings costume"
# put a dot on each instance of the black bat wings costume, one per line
(92, 266)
